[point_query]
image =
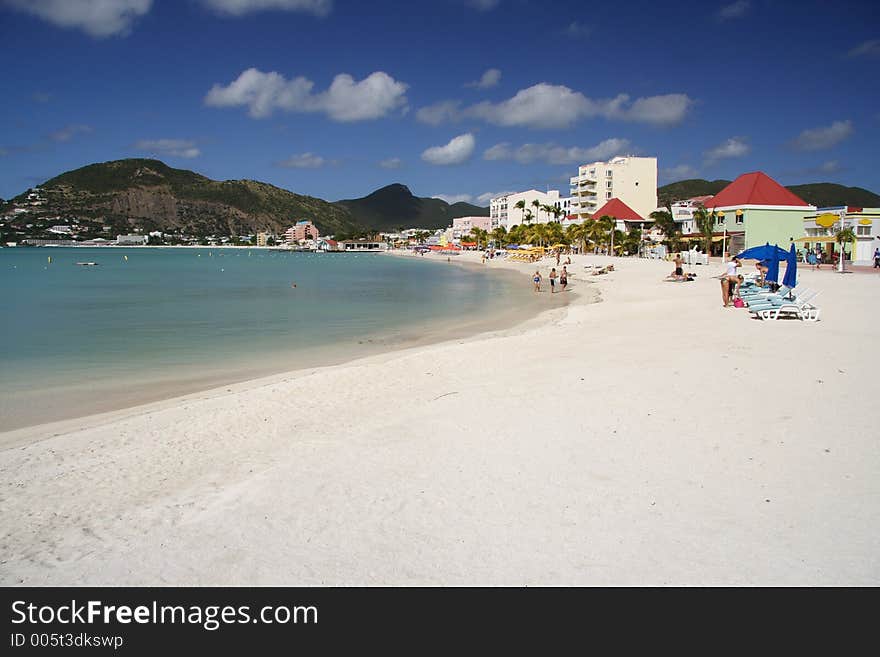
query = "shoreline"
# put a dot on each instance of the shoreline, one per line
(155, 396)
(655, 438)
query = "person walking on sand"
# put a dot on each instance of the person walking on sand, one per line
(558, 254)
(536, 279)
(563, 278)
(553, 276)
(877, 258)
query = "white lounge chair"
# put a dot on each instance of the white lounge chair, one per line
(801, 307)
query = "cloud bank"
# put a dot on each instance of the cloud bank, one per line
(97, 18)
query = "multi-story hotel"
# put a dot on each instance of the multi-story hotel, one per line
(503, 211)
(633, 180)
(302, 230)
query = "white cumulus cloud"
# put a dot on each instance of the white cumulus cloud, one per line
(303, 161)
(551, 153)
(485, 199)
(98, 18)
(391, 163)
(241, 7)
(556, 106)
(869, 48)
(345, 100)
(489, 79)
(818, 139)
(169, 147)
(729, 148)
(445, 111)
(458, 150)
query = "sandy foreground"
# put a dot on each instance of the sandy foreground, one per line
(653, 438)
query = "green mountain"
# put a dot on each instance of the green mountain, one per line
(678, 191)
(818, 194)
(824, 195)
(148, 194)
(395, 206)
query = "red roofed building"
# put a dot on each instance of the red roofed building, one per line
(755, 209)
(619, 210)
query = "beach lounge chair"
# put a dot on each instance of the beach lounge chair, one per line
(775, 301)
(801, 307)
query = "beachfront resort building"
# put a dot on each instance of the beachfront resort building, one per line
(361, 246)
(262, 239)
(755, 209)
(683, 212)
(821, 227)
(131, 240)
(301, 230)
(626, 218)
(503, 210)
(463, 225)
(633, 180)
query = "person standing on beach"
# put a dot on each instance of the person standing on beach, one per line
(563, 278)
(558, 254)
(536, 279)
(729, 281)
(877, 258)
(553, 277)
(679, 269)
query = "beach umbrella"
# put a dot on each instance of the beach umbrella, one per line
(790, 279)
(773, 269)
(765, 252)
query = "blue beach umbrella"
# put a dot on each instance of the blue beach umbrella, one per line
(790, 279)
(773, 269)
(766, 252)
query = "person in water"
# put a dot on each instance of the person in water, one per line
(553, 277)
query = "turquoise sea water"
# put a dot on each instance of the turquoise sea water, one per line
(77, 340)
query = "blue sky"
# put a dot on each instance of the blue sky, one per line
(455, 98)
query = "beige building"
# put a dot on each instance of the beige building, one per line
(633, 180)
(262, 238)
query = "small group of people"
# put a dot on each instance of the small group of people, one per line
(678, 273)
(553, 276)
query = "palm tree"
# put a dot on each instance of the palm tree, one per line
(521, 205)
(705, 223)
(578, 233)
(421, 236)
(595, 231)
(843, 236)
(500, 236)
(527, 217)
(537, 205)
(548, 209)
(664, 220)
(517, 234)
(538, 233)
(608, 225)
(480, 235)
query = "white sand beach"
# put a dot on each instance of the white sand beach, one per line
(653, 438)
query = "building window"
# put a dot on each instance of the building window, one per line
(740, 218)
(863, 230)
(608, 173)
(608, 184)
(608, 195)
(719, 220)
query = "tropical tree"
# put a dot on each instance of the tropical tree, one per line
(521, 205)
(517, 234)
(555, 234)
(539, 233)
(843, 236)
(705, 223)
(480, 235)
(537, 205)
(578, 233)
(608, 223)
(595, 231)
(527, 217)
(548, 209)
(500, 236)
(671, 229)
(421, 236)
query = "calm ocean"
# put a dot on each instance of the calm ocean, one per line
(163, 322)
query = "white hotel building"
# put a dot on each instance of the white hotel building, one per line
(503, 210)
(633, 180)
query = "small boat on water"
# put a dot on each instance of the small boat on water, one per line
(87, 264)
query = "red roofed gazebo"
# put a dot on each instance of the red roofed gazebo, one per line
(619, 210)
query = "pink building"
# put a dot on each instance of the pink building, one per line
(462, 225)
(304, 229)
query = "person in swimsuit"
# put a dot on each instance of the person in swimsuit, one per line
(563, 278)
(553, 277)
(536, 279)
(679, 270)
(729, 282)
